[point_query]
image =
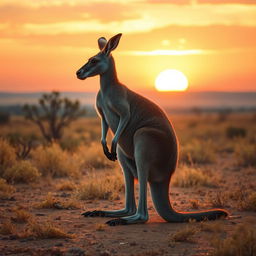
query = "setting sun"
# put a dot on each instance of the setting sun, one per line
(171, 80)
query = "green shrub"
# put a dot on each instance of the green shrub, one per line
(21, 171)
(53, 161)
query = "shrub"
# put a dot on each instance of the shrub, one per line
(21, 171)
(98, 186)
(93, 156)
(234, 132)
(219, 199)
(192, 177)
(21, 216)
(245, 154)
(45, 231)
(241, 243)
(6, 190)
(7, 228)
(53, 161)
(184, 235)
(197, 152)
(66, 186)
(4, 117)
(7, 155)
(53, 114)
(52, 203)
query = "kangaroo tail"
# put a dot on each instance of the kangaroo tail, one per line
(160, 197)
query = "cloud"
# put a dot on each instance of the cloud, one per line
(242, 2)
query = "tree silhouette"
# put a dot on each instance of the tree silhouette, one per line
(53, 114)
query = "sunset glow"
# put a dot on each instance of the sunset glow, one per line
(171, 80)
(44, 42)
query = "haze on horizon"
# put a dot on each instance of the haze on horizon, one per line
(44, 42)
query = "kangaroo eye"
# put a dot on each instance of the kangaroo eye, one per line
(93, 61)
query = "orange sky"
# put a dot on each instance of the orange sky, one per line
(212, 42)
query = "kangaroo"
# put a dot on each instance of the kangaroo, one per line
(144, 143)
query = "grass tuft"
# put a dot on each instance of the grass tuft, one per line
(245, 154)
(53, 161)
(21, 216)
(46, 231)
(241, 243)
(8, 228)
(21, 171)
(192, 177)
(107, 187)
(7, 155)
(184, 235)
(6, 190)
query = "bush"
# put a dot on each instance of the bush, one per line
(93, 156)
(234, 132)
(4, 117)
(192, 177)
(241, 243)
(21, 171)
(197, 153)
(98, 186)
(53, 161)
(184, 235)
(6, 190)
(7, 156)
(245, 154)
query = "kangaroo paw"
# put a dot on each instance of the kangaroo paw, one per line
(116, 222)
(94, 214)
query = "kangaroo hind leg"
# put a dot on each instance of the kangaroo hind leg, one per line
(129, 169)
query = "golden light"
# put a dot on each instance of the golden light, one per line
(171, 80)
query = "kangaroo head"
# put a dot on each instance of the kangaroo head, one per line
(99, 63)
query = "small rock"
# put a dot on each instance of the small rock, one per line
(75, 251)
(40, 214)
(59, 244)
(133, 243)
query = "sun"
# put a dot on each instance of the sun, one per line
(171, 80)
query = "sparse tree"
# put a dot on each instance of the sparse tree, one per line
(53, 114)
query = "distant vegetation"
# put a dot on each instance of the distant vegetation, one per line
(53, 114)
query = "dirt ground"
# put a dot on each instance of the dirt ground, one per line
(92, 237)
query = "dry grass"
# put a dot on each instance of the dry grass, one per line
(192, 177)
(184, 235)
(102, 186)
(52, 203)
(195, 152)
(6, 190)
(8, 228)
(245, 154)
(100, 227)
(241, 243)
(21, 216)
(21, 171)
(194, 203)
(66, 186)
(93, 157)
(211, 226)
(53, 161)
(45, 230)
(219, 199)
(7, 155)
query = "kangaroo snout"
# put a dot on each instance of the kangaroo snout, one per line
(79, 74)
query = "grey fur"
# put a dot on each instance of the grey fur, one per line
(144, 142)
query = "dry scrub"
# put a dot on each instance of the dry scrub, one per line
(21, 171)
(107, 185)
(53, 161)
(192, 177)
(241, 243)
(6, 190)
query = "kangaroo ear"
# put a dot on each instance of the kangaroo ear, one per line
(112, 44)
(102, 41)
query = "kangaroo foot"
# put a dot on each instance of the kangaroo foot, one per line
(94, 214)
(134, 219)
(116, 222)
